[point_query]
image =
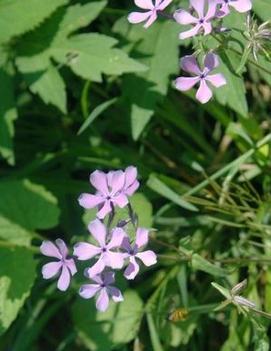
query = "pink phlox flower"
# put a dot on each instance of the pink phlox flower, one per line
(201, 22)
(64, 265)
(133, 253)
(103, 251)
(203, 77)
(238, 5)
(103, 288)
(149, 16)
(109, 192)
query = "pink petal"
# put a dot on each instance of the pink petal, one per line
(89, 201)
(132, 270)
(104, 210)
(212, 10)
(189, 64)
(102, 301)
(147, 257)
(241, 5)
(99, 181)
(114, 260)
(108, 278)
(117, 237)
(126, 244)
(144, 4)
(130, 176)
(223, 11)
(98, 231)
(184, 17)
(186, 83)
(138, 17)
(204, 93)
(85, 251)
(97, 268)
(198, 5)
(117, 182)
(62, 247)
(71, 266)
(115, 294)
(164, 4)
(211, 61)
(207, 27)
(48, 248)
(64, 279)
(87, 291)
(49, 270)
(98, 279)
(142, 237)
(152, 19)
(121, 200)
(190, 33)
(217, 80)
(132, 188)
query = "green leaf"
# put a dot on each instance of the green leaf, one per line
(8, 114)
(201, 264)
(161, 188)
(50, 86)
(17, 275)
(117, 326)
(262, 9)
(225, 292)
(25, 207)
(18, 17)
(159, 48)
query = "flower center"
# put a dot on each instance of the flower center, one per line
(201, 21)
(202, 76)
(104, 249)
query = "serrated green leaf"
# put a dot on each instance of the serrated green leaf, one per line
(50, 86)
(117, 326)
(17, 275)
(17, 17)
(8, 114)
(25, 207)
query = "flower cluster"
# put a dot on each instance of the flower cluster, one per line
(111, 248)
(201, 16)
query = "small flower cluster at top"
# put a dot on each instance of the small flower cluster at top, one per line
(114, 249)
(201, 16)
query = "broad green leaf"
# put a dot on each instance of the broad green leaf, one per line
(201, 264)
(25, 207)
(161, 188)
(262, 9)
(95, 55)
(50, 86)
(18, 16)
(17, 275)
(104, 331)
(8, 114)
(159, 49)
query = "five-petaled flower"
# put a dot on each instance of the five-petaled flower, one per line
(202, 22)
(149, 16)
(238, 5)
(102, 287)
(203, 77)
(112, 190)
(106, 257)
(64, 265)
(148, 257)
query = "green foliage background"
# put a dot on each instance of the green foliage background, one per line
(81, 89)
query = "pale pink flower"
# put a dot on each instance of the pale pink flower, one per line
(201, 22)
(103, 288)
(203, 77)
(150, 15)
(238, 5)
(103, 251)
(134, 253)
(64, 266)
